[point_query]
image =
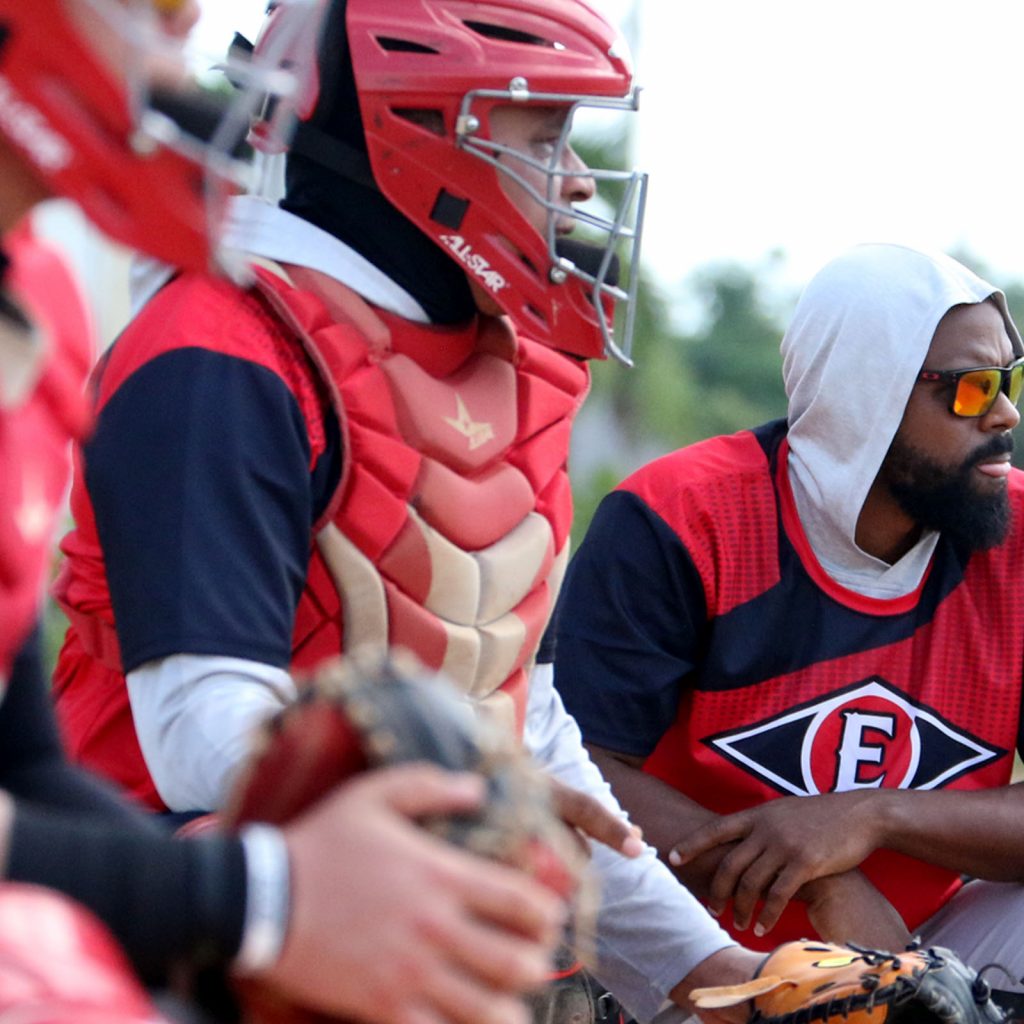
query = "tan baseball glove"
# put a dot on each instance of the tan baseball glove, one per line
(802, 982)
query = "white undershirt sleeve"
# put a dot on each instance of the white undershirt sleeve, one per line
(195, 716)
(651, 932)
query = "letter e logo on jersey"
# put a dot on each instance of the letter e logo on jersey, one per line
(865, 736)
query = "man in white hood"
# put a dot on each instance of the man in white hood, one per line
(797, 651)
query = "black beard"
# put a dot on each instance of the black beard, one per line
(939, 498)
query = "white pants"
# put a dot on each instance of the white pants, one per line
(984, 924)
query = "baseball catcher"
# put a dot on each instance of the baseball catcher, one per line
(801, 982)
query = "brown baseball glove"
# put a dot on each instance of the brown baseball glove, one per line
(802, 982)
(368, 712)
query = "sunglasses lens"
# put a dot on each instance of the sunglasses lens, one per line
(1016, 382)
(976, 392)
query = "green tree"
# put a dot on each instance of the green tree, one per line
(722, 377)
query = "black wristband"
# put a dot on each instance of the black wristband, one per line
(169, 902)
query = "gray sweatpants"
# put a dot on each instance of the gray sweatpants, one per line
(984, 924)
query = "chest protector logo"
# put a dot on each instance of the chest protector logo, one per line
(866, 736)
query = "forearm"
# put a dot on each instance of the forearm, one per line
(552, 736)
(733, 966)
(979, 833)
(167, 901)
(651, 931)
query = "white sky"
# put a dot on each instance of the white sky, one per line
(809, 125)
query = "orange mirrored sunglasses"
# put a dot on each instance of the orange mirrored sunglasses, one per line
(977, 388)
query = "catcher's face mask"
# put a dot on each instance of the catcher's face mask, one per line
(429, 76)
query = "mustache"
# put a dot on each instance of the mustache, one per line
(1001, 444)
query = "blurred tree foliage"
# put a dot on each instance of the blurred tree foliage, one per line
(721, 377)
(685, 385)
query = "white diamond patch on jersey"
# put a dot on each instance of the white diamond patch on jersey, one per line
(866, 736)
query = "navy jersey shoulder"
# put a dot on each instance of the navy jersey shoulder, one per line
(631, 622)
(630, 626)
(199, 476)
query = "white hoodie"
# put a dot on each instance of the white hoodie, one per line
(858, 339)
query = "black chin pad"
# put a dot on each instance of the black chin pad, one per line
(588, 258)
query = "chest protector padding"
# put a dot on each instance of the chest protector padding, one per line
(448, 532)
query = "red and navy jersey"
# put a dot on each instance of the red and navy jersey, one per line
(697, 630)
(214, 439)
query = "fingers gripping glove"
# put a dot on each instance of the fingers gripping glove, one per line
(803, 982)
(362, 713)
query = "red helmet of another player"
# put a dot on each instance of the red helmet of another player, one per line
(60, 965)
(95, 97)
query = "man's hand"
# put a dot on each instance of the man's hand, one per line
(581, 811)
(779, 847)
(391, 924)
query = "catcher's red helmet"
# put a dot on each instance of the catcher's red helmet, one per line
(457, 60)
(94, 97)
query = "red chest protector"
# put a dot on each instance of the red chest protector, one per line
(448, 533)
(42, 406)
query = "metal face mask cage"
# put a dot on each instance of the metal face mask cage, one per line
(287, 44)
(610, 225)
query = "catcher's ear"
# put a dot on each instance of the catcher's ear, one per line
(730, 995)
